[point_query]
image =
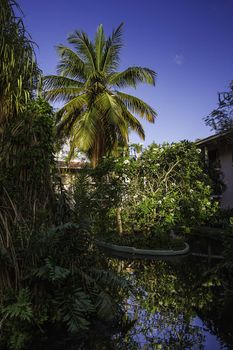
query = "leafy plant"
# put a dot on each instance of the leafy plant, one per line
(165, 188)
(19, 74)
(59, 288)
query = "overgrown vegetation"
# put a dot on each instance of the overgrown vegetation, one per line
(54, 283)
(19, 73)
(52, 279)
(164, 189)
(62, 286)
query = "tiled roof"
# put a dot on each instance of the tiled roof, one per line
(71, 165)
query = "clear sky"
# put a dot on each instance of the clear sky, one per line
(187, 42)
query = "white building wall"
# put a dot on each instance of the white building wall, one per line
(225, 156)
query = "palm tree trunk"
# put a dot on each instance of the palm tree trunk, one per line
(95, 155)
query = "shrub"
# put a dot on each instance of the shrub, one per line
(164, 188)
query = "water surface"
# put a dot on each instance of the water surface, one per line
(181, 304)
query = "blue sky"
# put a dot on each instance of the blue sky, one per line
(187, 42)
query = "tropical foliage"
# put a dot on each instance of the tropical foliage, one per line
(48, 283)
(62, 286)
(96, 116)
(163, 189)
(56, 288)
(19, 73)
(27, 160)
(48, 280)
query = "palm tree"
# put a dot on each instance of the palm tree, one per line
(96, 117)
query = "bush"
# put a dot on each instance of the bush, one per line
(163, 189)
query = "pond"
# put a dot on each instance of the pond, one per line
(181, 304)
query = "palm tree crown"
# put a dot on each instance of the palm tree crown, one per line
(96, 117)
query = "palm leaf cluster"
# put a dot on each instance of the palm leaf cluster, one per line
(18, 71)
(96, 116)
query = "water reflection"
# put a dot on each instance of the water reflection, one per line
(180, 305)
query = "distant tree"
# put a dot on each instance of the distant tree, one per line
(96, 116)
(221, 119)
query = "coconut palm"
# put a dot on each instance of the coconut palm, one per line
(96, 117)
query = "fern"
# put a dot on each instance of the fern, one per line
(111, 280)
(18, 340)
(103, 286)
(75, 310)
(21, 309)
(51, 272)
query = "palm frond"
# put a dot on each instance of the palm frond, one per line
(65, 122)
(110, 117)
(133, 123)
(84, 131)
(112, 50)
(132, 76)
(62, 94)
(57, 81)
(84, 47)
(71, 64)
(99, 46)
(137, 106)
(116, 122)
(77, 103)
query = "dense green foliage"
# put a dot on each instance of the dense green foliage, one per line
(52, 278)
(64, 286)
(27, 159)
(19, 73)
(54, 283)
(96, 117)
(163, 189)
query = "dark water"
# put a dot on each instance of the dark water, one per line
(178, 303)
(181, 304)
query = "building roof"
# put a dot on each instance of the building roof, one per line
(226, 137)
(71, 166)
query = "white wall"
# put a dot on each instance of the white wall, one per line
(225, 156)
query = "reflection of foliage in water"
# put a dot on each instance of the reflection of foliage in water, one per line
(170, 298)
